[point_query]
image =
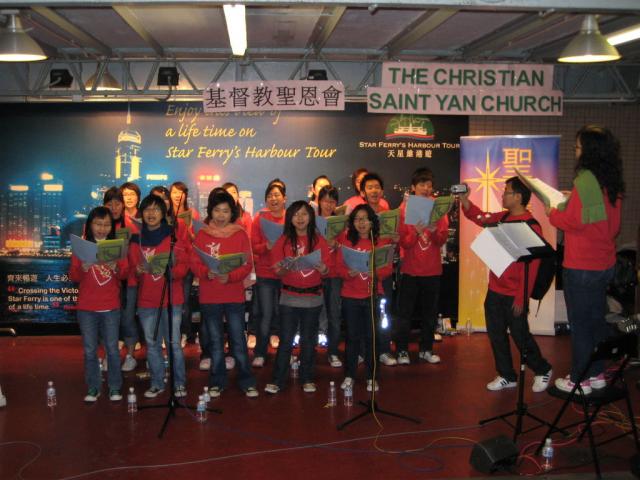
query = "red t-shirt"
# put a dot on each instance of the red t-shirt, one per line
(261, 252)
(421, 254)
(353, 202)
(99, 288)
(303, 278)
(149, 285)
(360, 286)
(588, 246)
(211, 290)
(511, 282)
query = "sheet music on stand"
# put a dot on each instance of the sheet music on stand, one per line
(501, 245)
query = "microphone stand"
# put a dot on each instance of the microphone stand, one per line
(521, 409)
(371, 405)
(172, 403)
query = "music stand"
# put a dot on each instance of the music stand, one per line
(172, 403)
(521, 409)
(371, 405)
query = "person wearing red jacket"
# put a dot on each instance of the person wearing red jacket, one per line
(421, 270)
(222, 294)
(267, 286)
(590, 221)
(98, 307)
(358, 198)
(114, 201)
(504, 304)
(301, 297)
(357, 292)
(153, 241)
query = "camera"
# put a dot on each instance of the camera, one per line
(459, 188)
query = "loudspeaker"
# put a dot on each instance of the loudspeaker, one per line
(168, 77)
(498, 453)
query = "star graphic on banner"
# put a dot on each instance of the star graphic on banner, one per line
(487, 180)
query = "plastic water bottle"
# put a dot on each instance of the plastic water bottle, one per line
(201, 410)
(440, 326)
(52, 399)
(295, 369)
(132, 401)
(331, 401)
(468, 327)
(348, 396)
(205, 395)
(547, 455)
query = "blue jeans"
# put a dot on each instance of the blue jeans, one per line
(148, 318)
(213, 314)
(290, 319)
(330, 317)
(357, 316)
(96, 325)
(268, 290)
(585, 293)
(128, 320)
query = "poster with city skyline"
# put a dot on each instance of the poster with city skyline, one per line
(58, 159)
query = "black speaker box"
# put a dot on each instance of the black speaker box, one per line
(494, 454)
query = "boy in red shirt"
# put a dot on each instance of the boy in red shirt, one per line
(504, 304)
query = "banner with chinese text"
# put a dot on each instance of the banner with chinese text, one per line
(273, 95)
(485, 164)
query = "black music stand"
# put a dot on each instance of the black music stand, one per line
(521, 409)
(371, 405)
(172, 403)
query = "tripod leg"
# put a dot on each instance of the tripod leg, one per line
(354, 419)
(397, 415)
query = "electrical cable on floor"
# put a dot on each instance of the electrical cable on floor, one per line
(31, 444)
(325, 445)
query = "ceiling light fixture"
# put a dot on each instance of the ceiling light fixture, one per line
(15, 44)
(624, 36)
(236, 27)
(589, 46)
(106, 81)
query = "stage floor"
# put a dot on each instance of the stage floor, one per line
(291, 434)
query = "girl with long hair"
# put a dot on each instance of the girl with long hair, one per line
(222, 294)
(155, 240)
(363, 234)
(98, 307)
(301, 295)
(590, 220)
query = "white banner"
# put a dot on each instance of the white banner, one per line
(274, 95)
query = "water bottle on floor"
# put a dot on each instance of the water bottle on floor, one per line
(201, 410)
(547, 455)
(331, 401)
(52, 399)
(205, 395)
(295, 369)
(348, 396)
(132, 401)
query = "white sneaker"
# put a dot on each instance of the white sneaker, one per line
(403, 358)
(271, 388)
(129, 364)
(500, 383)
(229, 362)
(205, 364)
(541, 382)
(437, 337)
(566, 385)
(429, 357)
(92, 395)
(334, 361)
(387, 359)
(258, 362)
(309, 387)
(598, 382)
(215, 392)
(370, 385)
(346, 383)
